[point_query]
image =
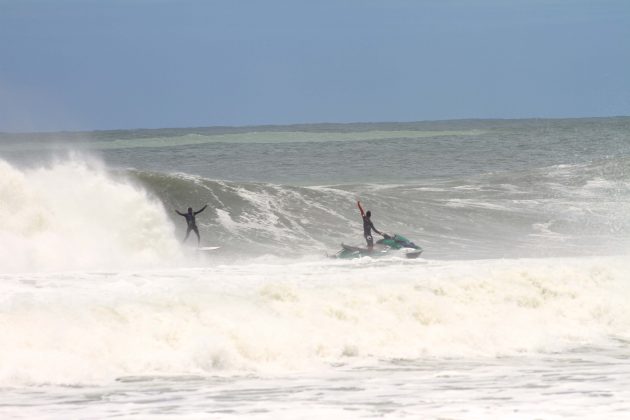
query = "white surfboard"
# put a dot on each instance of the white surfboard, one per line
(208, 248)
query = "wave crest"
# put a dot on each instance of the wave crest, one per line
(74, 215)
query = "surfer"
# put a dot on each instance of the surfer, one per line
(368, 227)
(192, 223)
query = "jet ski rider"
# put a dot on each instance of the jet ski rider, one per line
(368, 227)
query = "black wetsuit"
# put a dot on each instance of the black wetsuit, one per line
(368, 227)
(192, 223)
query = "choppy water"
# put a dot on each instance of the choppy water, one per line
(517, 310)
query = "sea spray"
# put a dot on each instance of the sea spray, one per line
(74, 215)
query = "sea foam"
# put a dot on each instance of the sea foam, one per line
(74, 215)
(309, 316)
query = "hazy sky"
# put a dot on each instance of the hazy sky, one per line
(97, 64)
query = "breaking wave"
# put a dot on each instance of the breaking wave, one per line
(280, 318)
(560, 210)
(75, 215)
(260, 314)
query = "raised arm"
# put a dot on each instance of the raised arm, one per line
(200, 210)
(181, 214)
(360, 209)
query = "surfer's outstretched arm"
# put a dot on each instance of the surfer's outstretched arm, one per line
(202, 209)
(181, 214)
(360, 209)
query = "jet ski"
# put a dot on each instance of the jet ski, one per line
(388, 245)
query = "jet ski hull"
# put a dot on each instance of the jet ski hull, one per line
(396, 245)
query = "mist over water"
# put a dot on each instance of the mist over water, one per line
(524, 226)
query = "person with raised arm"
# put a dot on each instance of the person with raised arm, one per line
(368, 227)
(191, 221)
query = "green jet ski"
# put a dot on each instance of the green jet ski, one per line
(388, 245)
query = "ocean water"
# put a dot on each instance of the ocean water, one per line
(517, 309)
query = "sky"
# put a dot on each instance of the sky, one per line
(116, 64)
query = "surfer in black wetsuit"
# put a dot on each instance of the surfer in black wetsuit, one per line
(368, 227)
(192, 223)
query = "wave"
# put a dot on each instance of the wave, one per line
(553, 211)
(108, 319)
(278, 318)
(74, 214)
(256, 218)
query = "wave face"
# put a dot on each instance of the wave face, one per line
(460, 190)
(74, 215)
(526, 253)
(560, 210)
(79, 328)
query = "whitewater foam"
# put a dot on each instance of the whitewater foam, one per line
(137, 334)
(74, 215)
(279, 318)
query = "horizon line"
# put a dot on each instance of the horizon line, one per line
(305, 124)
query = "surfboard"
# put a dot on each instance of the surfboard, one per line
(208, 248)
